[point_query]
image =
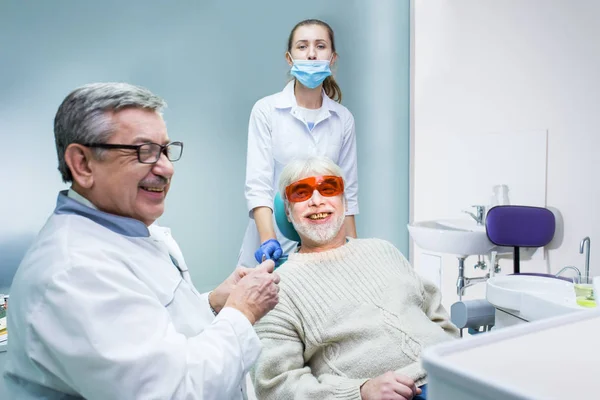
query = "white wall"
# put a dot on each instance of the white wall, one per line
(511, 66)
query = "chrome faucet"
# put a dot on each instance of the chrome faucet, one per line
(462, 282)
(479, 217)
(587, 255)
(570, 267)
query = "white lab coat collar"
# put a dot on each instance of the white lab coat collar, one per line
(287, 99)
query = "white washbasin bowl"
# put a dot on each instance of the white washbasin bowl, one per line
(532, 297)
(453, 236)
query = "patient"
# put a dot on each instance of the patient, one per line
(353, 316)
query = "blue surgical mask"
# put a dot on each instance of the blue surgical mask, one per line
(310, 73)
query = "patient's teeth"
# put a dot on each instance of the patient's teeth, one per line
(319, 216)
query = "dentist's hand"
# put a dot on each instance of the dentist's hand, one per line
(389, 386)
(219, 296)
(256, 293)
(270, 250)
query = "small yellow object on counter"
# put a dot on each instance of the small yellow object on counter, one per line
(3, 331)
(584, 295)
(584, 290)
(585, 301)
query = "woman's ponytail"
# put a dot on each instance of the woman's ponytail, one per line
(332, 89)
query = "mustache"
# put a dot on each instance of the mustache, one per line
(158, 180)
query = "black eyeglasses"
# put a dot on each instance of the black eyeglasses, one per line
(148, 153)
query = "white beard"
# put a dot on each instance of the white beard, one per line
(321, 233)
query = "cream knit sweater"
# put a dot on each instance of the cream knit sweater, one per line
(344, 316)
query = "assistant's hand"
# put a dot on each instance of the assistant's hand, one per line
(256, 293)
(219, 296)
(389, 386)
(270, 249)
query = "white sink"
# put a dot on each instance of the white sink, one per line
(532, 297)
(453, 236)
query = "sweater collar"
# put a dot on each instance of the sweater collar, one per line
(333, 254)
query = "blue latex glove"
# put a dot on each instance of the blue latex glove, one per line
(270, 250)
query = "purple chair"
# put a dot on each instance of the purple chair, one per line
(520, 226)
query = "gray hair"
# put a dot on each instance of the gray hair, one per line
(300, 168)
(84, 115)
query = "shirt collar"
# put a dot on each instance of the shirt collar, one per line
(75, 204)
(287, 99)
(76, 196)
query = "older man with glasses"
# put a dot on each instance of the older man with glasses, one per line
(102, 305)
(353, 316)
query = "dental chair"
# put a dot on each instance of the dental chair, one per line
(284, 226)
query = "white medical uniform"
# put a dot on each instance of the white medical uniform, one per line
(278, 132)
(103, 307)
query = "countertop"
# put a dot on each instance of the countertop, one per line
(556, 358)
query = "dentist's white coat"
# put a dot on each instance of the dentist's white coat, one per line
(101, 308)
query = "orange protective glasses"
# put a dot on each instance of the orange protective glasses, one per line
(302, 190)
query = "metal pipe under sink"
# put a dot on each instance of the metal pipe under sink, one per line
(463, 282)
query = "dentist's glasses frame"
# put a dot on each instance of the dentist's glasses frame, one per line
(147, 153)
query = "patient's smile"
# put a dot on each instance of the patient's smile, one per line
(319, 216)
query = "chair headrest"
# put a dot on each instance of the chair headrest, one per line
(520, 226)
(285, 226)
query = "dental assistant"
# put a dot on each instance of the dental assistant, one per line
(305, 119)
(102, 305)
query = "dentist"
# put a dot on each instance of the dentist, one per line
(305, 119)
(102, 305)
